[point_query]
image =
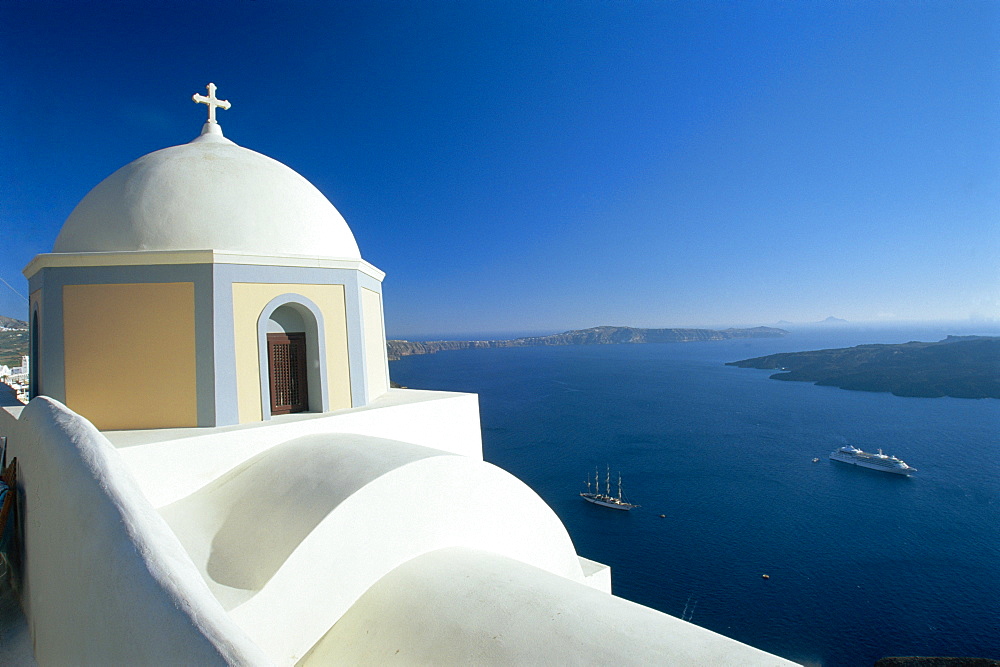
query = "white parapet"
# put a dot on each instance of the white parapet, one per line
(161, 459)
(464, 607)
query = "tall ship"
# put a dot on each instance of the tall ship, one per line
(853, 455)
(606, 499)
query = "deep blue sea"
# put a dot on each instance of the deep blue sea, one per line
(862, 564)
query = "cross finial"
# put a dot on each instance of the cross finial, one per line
(212, 101)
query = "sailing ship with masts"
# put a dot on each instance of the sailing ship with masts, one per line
(606, 499)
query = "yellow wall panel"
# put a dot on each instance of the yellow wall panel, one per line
(130, 354)
(376, 360)
(249, 300)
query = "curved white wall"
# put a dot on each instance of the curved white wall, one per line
(465, 607)
(105, 579)
(320, 519)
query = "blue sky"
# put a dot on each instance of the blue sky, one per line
(530, 166)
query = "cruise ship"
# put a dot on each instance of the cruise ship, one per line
(853, 455)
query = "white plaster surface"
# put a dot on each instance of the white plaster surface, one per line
(464, 607)
(320, 519)
(161, 460)
(105, 580)
(596, 575)
(209, 194)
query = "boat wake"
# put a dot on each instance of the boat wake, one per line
(688, 615)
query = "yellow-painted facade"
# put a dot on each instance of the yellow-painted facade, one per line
(249, 300)
(375, 355)
(130, 354)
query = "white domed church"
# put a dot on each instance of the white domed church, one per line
(206, 285)
(213, 468)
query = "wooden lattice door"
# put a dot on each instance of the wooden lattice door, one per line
(286, 367)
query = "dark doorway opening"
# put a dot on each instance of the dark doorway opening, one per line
(286, 369)
(34, 377)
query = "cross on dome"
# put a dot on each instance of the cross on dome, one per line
(212, 101)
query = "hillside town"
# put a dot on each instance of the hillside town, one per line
(17, 378)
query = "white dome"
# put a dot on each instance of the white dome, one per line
(209, 194)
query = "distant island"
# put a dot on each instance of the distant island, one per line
(593, 336)
(958, 366)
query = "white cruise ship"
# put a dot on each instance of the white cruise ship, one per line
(853, 455)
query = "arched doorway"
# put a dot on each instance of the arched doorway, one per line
(292, 355)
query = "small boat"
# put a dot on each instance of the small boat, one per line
(606, 499)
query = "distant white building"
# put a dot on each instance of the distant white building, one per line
(18, 378)
(215, 470)
(21, 372)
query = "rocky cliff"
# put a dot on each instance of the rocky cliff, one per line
(593, 336)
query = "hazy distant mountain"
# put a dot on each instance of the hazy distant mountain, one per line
(827, 321)
(593, 336)
(11, 323)
(958, 366)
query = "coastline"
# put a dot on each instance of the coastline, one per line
(602, 335)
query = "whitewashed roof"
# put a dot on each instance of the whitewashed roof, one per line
(209, 194)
